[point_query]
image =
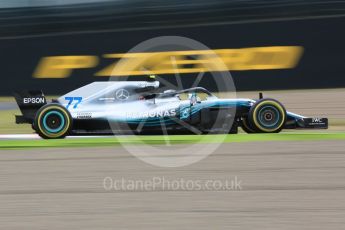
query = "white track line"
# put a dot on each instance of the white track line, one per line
(33, 136)
(18, 136)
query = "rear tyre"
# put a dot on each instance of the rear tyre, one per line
(267, 116)
(53, 121)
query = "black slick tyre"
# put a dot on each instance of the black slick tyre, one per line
(267, 116)
(53, 121)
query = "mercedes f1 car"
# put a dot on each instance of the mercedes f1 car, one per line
(137, 107)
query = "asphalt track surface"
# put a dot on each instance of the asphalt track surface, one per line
(284, 185)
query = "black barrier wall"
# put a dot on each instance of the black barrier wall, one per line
(321, 65)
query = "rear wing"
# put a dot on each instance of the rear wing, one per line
(29, 102)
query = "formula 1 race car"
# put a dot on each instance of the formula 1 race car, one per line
(136, 107)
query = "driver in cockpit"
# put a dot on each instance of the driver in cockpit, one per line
(193, 98)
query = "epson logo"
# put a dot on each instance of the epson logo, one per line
(33, 100)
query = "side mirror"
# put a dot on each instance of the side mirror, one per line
(150, 96)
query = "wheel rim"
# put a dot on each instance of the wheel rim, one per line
(269, 117)
(53, 122)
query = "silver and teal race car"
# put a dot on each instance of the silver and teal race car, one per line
(138, 107)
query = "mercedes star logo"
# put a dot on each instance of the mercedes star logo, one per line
(122, 94)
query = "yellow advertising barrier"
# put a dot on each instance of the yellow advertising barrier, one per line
(169, 62)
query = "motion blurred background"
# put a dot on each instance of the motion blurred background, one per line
(34, 29)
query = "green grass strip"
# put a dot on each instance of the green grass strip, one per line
(161, 140)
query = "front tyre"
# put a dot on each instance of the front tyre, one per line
(267, 116)
(53, 121)
(246, 126)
